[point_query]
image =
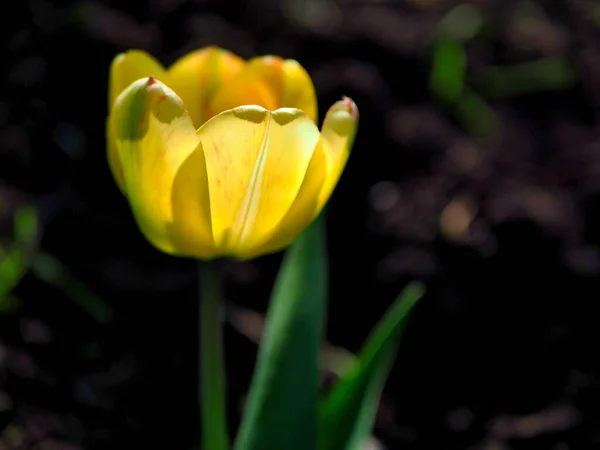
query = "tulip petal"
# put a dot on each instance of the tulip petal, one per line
(124, 70)
(113, 157)
(337, 137)
(154, 135)
(256, 162)
(258, 82)
(270, 82)
(128, 67)
(298, 89)
(191, 231)
(327, 163)
(303, 210)
(197, 76)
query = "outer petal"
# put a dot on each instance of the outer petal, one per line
(196, 77)
(124, 70)
(128, 67)
(327, 163)
(302, 211)
(256, 161)
(154, 135)
(191, 230)
(271, 82)
(337, 137)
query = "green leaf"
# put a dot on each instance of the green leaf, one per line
(15, 258)
(348, 413)
(12, 269)
(447, 79)
(476, 115)
(543, 75)
(282, 405)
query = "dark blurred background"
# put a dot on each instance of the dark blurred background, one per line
(476, 169)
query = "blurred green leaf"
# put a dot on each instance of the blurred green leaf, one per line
(26, 225)
(348, 413)
(551, 73)
(12, 269)
(447, 79)
(282, 406)
(476, 115)
(22, 256)
(463, 23)
(14, 259)
(49, 269)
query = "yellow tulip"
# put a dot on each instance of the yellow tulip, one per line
(222, 157)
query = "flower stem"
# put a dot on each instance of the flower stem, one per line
(212, 372)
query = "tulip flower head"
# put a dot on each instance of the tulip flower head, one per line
(218, 156)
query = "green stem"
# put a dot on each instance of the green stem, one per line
(212, 371)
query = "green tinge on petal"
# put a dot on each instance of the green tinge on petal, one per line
(153, 135)
(128, 67)
(125, 68)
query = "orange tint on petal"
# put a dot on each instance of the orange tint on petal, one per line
(259, 83)
(197, 76)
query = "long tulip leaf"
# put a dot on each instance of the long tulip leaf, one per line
(348, 413)
(282, 406)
